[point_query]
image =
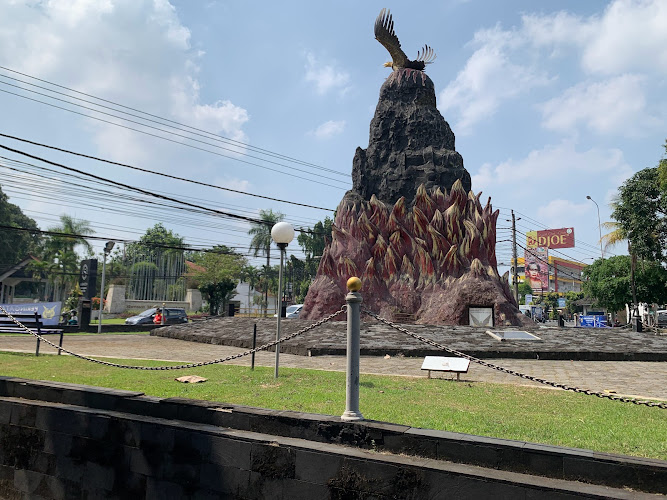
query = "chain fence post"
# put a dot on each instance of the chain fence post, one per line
(353, 299)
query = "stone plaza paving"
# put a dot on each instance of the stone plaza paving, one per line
(633, 378)
(377, 339)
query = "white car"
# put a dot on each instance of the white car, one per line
(293, 311)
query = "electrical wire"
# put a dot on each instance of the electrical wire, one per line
(173, 140)
(218, 136)
(192, 181)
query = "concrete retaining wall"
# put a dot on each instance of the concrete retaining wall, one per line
(67, 441)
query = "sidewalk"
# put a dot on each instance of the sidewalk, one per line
(633, 378)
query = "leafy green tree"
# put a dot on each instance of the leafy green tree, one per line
(261, 242)
(640, 209)
(222, 271)
(314, 242)
(524, 289)
(570, 299)
(160, 238)
(608, 282)
(15, 245)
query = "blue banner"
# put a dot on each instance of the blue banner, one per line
(593, 321)
(561, 302)
(50, 311)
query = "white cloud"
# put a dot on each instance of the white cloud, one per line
(135, 52)
(630, 35)
(615, 105)
(625, 43)
(559, 164)
(326, 77)
(329, 129)
(488, 78)
(232, 183)
(559, 213)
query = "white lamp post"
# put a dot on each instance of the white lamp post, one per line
(282, 233)
(107, 250)
(599, 225)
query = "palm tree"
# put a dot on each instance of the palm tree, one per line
(261, 242)
(61, 259)
(70, 226)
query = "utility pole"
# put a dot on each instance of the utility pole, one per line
(515, 276)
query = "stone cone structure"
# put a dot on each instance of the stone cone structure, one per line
(411, 229)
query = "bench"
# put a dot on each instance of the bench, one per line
(445, 364)
(32, 321)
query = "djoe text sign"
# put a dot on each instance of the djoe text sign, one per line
(551, 238)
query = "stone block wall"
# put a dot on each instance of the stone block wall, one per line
(67, 441)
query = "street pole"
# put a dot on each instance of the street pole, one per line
(599, 225)
(353, 299)
(104, 268)
(282, 233)
(107, 250)
(282, 247)
(515, 276)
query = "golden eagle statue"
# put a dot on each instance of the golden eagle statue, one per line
(384, 33)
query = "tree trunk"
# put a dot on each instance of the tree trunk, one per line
(633, 265)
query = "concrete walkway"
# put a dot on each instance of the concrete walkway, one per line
(634, 378)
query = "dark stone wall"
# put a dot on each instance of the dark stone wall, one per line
(120, 444)
(410, 144)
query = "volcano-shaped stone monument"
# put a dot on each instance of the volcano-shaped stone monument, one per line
(410, 228)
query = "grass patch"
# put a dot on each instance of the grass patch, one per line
(509, 412)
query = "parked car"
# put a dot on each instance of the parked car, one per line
(293, 311)
(172, 316)
(661, 318)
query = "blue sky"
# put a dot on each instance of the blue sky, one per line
(549, 102)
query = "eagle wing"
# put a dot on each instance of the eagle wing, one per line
(384, 33)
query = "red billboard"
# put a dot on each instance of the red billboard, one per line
(551, 238)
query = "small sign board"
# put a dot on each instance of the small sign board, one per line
(446, 364)
(88, 278)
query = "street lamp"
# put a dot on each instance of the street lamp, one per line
(107, 250)
(282, 233)
(599, 224)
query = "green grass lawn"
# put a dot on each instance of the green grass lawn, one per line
(510, 412)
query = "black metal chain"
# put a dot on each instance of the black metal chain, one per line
(599, 394)
(180, 367)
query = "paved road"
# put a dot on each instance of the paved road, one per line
(644, 379)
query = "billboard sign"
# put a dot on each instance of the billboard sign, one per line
(49, 311)
(551, 238)
(536, 269)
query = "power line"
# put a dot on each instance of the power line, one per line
(92, 192)
(143, 191)
(160, 173)
(118, 240)
(171, 140)
(218, 136)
